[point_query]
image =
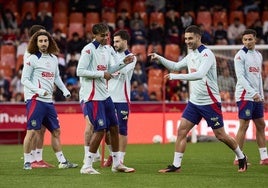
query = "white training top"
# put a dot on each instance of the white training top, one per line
(119, 86)
(248, 67)
(202, 73)
(40, 72)
(95, 59)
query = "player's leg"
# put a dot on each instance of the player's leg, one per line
(27, 148)
(117, 166)
(109, 161)
(39, 143)
(99, 124)
(190, 117)
(180, 146)
(261, 140)
(52, 124)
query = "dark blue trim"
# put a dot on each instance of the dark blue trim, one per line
(245, 49)
(127, 52)
(201, 48)
(38, 54)
(96, 44)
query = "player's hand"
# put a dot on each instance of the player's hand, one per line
(257, 98)
(167, 76)
(129, 59)
(153, 56)
(46, 93)
(107, 76)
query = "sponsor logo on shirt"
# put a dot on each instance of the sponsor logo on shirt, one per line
(47, 74)
(253, 69)
(101, 67)
(193, 70)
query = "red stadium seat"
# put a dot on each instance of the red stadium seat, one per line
(172, 52)
(236, 14)
(220, 16)
(204, 17)
(251, 17)
(91, 19)
(28, 6)
(139, 50)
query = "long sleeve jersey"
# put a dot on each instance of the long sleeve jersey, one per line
(202, 74)
(119, 86)
(248, 67)
(95, 59)
(40, 72)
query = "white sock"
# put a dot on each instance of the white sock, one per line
(33, 156)
(177, 159)
(122, 156)
(116, 158)
(86, 150)
(27, 157)
(60, 157)
(98, 154)
(239, 153)
(39, 155)
(263, 153)
(89, 160)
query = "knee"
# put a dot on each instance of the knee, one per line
(56, 133)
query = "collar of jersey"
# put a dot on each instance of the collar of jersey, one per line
(96, 44)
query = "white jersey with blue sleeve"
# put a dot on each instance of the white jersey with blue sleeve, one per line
(40, 72)
(119, 86)
(95, 59)
(202, 74)
(248, 67)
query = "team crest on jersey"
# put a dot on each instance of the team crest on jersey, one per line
(28, 63)
(238, 58)
(88, 51)
(215, 119)
(205, 55)
(100, 122)
(123, 112)
(247, 112)
(33, 123)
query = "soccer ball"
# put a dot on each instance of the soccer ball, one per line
(172, 139)
(157, 139)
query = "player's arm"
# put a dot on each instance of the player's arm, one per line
(206, 63)
(239, 63)
(27, 72)
(121, 64)
(59, 83)
(170, 65)
(82, 67)
(129, 67)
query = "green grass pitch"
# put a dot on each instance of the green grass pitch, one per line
(204, 165)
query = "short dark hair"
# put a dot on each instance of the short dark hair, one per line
(123, 34)
(100, 28)
(194, 29)
(249, 31)
(34, 29)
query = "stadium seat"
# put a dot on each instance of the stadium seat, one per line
(60, 21)
(220, 16)
(28, 6)
(91, 19)
(109, 17)
(76, 17)
(236, 14)
(251, 17)
(139, 6)
(204, 17)
(235, 4)
(76, 27)
(60, 6)
(265, 15)
(12, 5)
(172, 52)
(124, 4)
(19, 62)
(144, 17)
(157, 17)
(45, 5)
(139, 50)
(8, 55)
(155, 82)
(8, 71)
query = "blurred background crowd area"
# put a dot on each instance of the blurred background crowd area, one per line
(154, 26)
